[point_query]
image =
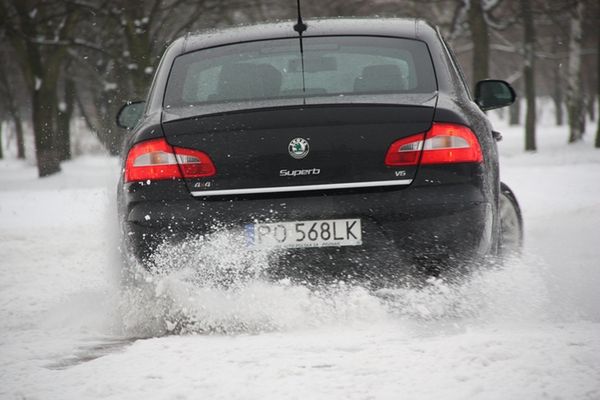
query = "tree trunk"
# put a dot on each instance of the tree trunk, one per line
(20, 137)
(575, 105)
(113, 135)
(139, 45)
(63, 136)
(597, 144)
(64, 120)
(557, 95)
(529, 75)
(515, 113)
(16, 117)
(1, 149)
(481, 41)
(558, 110)
(44, 110)
(13, 110)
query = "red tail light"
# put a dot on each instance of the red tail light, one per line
(405, 152)
(157, 160)
(442, 144)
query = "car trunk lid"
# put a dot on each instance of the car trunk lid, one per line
(301, 147)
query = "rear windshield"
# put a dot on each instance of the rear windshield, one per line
(273, 69)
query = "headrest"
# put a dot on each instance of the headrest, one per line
(248, 81)
(380, 78)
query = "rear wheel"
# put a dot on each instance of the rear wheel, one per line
(511, 223)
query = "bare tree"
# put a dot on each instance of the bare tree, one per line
(597, 144)
(575, 105)
(8, 91)
(528, 74)
(557, 93)
(65, 114)
(36, 31)
(481, 41)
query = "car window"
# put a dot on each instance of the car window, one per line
(271, 69)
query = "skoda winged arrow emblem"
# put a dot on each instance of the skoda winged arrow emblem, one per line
(298, 148)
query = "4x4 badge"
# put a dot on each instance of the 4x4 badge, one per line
(298, 148)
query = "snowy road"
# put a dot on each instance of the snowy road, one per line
(529, 331)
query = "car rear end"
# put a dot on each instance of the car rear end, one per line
(330, 154)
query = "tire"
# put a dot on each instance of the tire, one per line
(511, 223)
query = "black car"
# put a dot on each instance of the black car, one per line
(354, 143)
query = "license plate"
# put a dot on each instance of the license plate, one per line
(293, 234)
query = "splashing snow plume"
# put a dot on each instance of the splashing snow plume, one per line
(213, 284)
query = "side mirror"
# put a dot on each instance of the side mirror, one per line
(491, 93)
(130, 114)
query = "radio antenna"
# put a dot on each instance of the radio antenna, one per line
(300, 25)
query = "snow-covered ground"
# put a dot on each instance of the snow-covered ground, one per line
(528, 331)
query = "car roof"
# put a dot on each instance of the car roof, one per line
(400, 27)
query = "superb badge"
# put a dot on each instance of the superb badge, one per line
(298, 148)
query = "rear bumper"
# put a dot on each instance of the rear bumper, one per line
(436, 222)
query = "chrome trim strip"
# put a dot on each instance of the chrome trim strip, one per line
(301, 188)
